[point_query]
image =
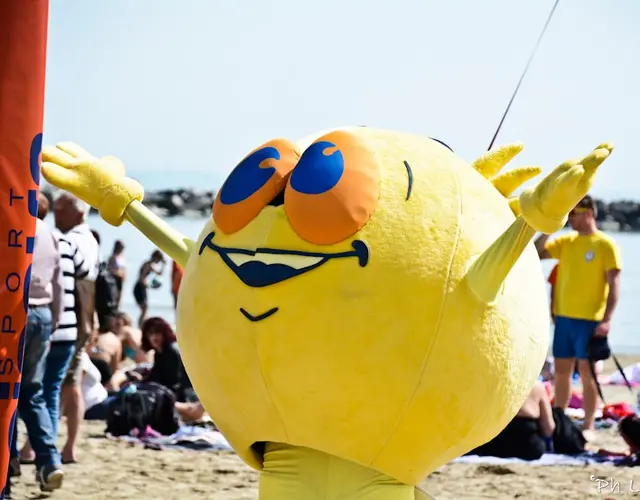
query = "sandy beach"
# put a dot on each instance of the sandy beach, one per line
(115, 470)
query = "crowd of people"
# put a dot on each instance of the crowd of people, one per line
(80, 349)
(147, 278)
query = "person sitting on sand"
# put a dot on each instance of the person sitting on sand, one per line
(629, 429)
(95, 395)
(527, 435)
(154, 265)
(131, 338)
(105, 351)
(167, 369)
(97, 399)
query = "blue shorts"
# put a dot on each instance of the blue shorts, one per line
(571, 337)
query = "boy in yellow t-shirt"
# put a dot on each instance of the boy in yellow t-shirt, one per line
(585, 296)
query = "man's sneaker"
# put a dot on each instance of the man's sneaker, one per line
(49, 477)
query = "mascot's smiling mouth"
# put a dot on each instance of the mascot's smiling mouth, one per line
(267, 266)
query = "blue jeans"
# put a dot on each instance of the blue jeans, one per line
(31, 404)
(58, 360)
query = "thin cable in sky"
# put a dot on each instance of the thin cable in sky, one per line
(526, 68)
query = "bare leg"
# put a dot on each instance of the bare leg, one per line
(189, 412)
(26, 453)
(143, 315)
(563, 368)
(74, 410)
(590, 394)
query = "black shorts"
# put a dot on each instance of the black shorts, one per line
(140, 294)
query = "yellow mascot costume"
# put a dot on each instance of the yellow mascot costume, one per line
(362, 307)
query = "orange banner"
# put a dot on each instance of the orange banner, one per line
(23, 44)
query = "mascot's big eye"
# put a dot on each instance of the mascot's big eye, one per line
(255, 181)
(334, 189)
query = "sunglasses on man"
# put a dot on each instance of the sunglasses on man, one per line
(577, 211)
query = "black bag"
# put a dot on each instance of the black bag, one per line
(567, 437)
(150, 404)
(599, 349)
(106, 298)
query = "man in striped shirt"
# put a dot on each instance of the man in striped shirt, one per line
(70, 218)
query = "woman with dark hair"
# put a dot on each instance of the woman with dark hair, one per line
(167, 370)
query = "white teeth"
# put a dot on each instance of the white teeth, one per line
(295, 261)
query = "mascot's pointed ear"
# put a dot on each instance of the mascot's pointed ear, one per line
(490, 163)
(511, 180)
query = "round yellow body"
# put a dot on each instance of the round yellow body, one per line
(394, 365)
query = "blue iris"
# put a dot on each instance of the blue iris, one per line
(317, 173)
(248, 177)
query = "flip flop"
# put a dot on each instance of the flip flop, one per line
(68, 462)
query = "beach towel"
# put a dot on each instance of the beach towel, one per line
(547, 459)
(186, 438)
(632, 372)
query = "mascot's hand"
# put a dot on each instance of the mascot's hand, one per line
(100, 182)
(546, 207)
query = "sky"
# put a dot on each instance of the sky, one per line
(170, 85)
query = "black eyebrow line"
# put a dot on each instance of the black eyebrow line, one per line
(439, 141)
(410, 174)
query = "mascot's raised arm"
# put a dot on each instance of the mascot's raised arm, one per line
(362, 307)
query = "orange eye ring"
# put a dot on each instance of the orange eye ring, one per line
(333, 190)
(253, 183)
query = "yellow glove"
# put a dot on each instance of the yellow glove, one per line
(546, 207)
(100, 182)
